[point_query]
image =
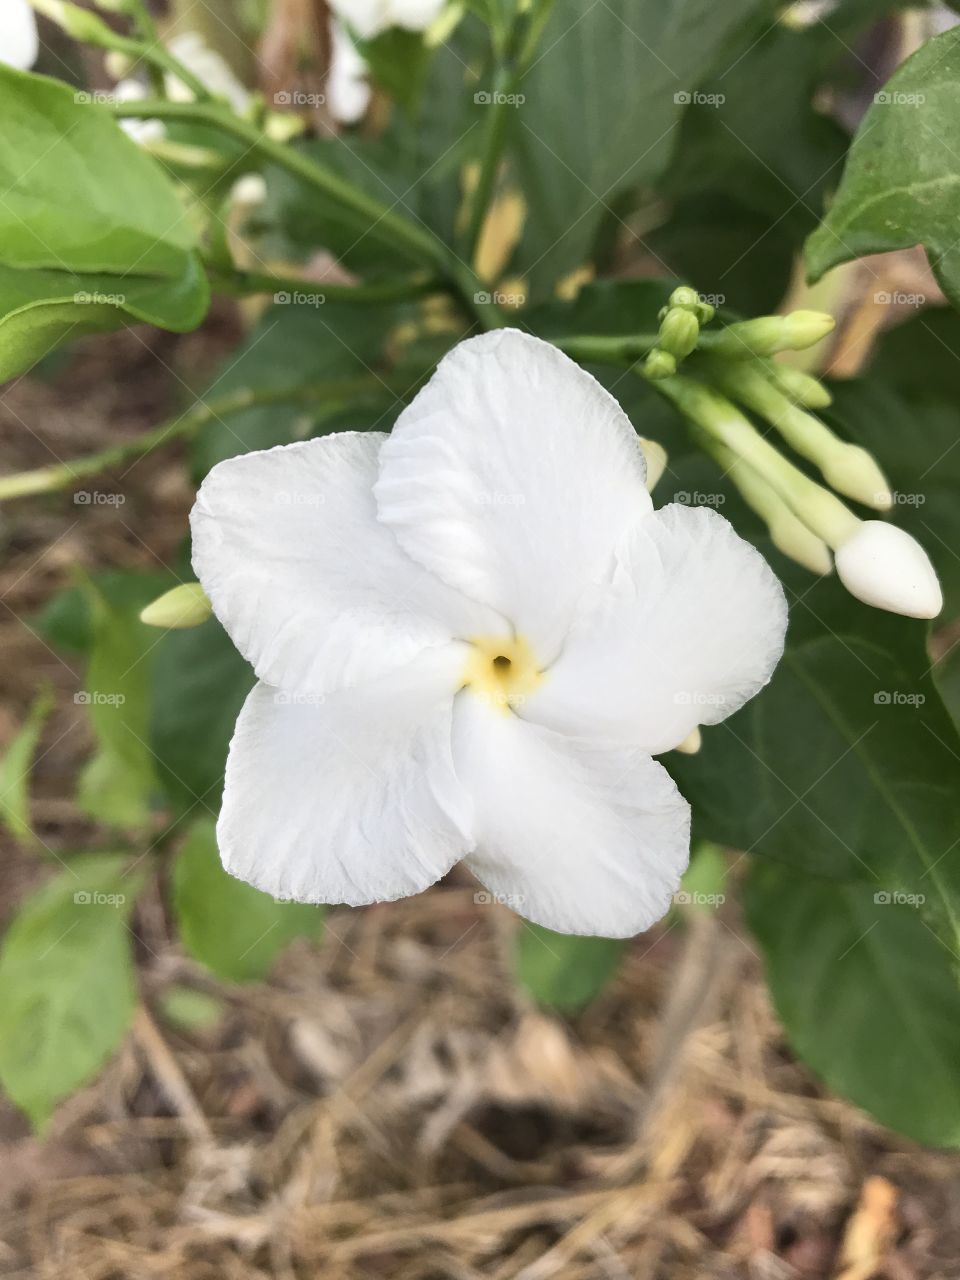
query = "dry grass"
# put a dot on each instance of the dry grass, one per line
(389, 1105)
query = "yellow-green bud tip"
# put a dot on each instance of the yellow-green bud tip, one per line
(804, 328)
(184, 606)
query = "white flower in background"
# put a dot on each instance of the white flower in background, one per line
(348, 93)
(19, 42)
(369, 17)
(471, 637)
(206, 64)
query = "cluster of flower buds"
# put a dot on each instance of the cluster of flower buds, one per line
(680, 323)
(877, 562)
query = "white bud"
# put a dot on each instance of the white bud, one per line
(691, 743)
(250, 190)
(885, 567)
(655, 456)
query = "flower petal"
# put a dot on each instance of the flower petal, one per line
(19, 42)
(512, 475)
(312, 589)
(577, 835)
(350, 797)
(691, 626)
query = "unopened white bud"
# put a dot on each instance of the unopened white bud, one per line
(691, 743)
(885, 567)
(184, 606)
(655, 456)
(250, 190)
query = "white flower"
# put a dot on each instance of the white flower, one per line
(348, 92)
(471, 638)
(19, 43)
(369, 17)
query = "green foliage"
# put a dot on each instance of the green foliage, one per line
(560, 971)
(601, 108)
(120, 247)
(901, 180)
(66, 983)
(118, 783)
(233, 929)
(866, 995)
(15, 767)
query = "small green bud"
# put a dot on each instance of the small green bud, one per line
(678, 332)
(184, 606)
(685, 297)
(659, 364)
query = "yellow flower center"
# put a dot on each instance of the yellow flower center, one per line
(501, 669)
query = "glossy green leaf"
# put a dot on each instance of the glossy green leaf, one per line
(66, 983)
(600, 110)
(901, 182)
(16, 765)
(866, 994)
(560, 971)
(233, 929)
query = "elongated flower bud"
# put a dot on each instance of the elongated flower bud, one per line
(767, 335)
(847, 468)
(887, 568)
(182, 607)
(655, 456)
(799, 386)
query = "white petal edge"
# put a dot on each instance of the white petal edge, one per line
(580, 836)
(312, 589)
(512, 475)
(19, 41)
(690, 628)
(350, 798)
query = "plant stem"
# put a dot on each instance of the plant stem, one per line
(617, 350)
(368, 213)
(186, 426)
(240, 283)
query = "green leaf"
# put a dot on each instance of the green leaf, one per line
(92, 233)
(902, 180)
(66, 621)
(66, 983)
(15, 768)
(79, 195)
(118, 783)
(200, 683)
(866, 996)
(847, 764)
(233, 929)
(601, 105)
(564, 972)
(41, 309)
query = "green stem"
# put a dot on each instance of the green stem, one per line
(368, 213)
(240, 284)
(186, 426)
(607, 350)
